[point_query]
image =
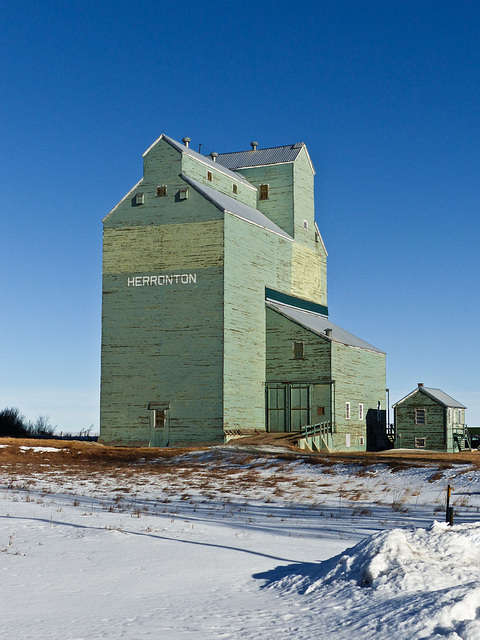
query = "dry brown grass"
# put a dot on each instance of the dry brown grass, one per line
(226, 468)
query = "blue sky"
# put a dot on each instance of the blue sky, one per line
(386, 95)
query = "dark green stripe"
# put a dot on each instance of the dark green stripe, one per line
(276, 296)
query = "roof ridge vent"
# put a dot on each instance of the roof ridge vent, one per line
(214, 156)
(254, 145)
(186, 141)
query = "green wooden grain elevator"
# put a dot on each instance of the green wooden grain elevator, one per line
(214, 317)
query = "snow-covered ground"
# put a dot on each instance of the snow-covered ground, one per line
(225, 544)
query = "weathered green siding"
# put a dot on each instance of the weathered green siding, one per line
(435, 431)
(359, 377)
(163, 342)
(314, 369)
(353, 375)
(222, 182)
(279, 206)
(254, 259)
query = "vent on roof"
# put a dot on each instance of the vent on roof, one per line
(254, 145)
(420, 384)
(298, 145)
(186, 141)
(328, 333)
(214, 156)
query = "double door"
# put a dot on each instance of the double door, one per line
(288, 407)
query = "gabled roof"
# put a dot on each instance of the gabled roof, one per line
(436, 394)
(228, 204)
(261, 157)
(204, 159)
(318, 324)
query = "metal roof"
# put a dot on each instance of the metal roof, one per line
(438, 395)
(260, 157)
(198, 156)
(319, 323)
(239, 209)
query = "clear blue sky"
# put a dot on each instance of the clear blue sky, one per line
(386, 95)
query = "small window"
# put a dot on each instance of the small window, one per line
(320, 411)
(139, 199)
(362, 441)
(263, 192)
(347, 410)
(159, 418)
(234, 188)
(298, 350)
(161, 191)
(183, 193)
(420, 442)
(305, 225)
(209, 176)
(420, 416)
(360, 411)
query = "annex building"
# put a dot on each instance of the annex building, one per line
(214, 319)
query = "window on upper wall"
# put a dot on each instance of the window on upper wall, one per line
(360, 411)
(419, 416)
(298, 350)
(234, 188)
(263, 195)
(139, 199)
(209, 176)
(161, 191)
(305, 225)
(347, 411)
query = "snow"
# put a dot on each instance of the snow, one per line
(226, 544)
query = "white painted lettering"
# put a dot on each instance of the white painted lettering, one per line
(160, 280)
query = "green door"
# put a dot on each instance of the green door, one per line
(160, 425)
(276, 409)
(299, 407)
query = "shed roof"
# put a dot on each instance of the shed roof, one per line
(318, 323)
(436, 394)
(239, 209)
(260, 157)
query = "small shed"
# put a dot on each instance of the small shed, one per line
(430, 419)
